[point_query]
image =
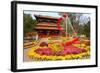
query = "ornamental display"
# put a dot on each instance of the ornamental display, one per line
(60, 50)
(55, 38)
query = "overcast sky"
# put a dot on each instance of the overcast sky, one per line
(54, 14)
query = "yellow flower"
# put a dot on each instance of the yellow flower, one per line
(49, 57)
(74, 56)
(88, 53)
(53, 57)
(68, 57)
(63, 57)
(83, 45)
(87, 48)
(57, 58)
(76, 45)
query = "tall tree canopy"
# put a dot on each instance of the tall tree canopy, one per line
(29, 23)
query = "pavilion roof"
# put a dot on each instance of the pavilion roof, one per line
(46, 17)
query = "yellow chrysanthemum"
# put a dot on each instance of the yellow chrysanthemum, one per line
(67, 57)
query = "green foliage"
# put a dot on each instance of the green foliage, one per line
(86, 29)
(80, 30)
(29, 23)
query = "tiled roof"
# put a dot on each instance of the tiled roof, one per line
(49, 17)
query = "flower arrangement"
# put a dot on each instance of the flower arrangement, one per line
(59, 51)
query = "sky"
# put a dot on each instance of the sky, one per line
(54, 14)
(83, 19)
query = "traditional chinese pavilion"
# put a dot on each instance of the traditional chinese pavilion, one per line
(47, 25)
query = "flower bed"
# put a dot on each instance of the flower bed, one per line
(72, 49)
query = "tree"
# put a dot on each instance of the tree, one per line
(29, 23)
(86, 29)
(75, 20)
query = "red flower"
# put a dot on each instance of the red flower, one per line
(72, 50)
(73, 41)
(44, 51)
